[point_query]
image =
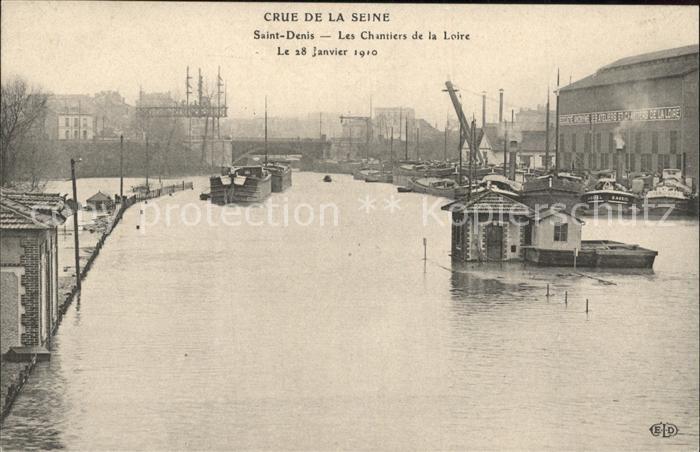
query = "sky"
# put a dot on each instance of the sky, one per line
(86, 47)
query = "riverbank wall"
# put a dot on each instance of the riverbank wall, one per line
(14, 375)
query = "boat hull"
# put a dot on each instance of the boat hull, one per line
(253, 190)
(452, 193)
(593, 254)
(281, 180)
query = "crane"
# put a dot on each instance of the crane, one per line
(467, 130)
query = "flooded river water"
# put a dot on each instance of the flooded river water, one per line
(258, 334)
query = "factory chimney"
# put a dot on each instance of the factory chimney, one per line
(500, 106)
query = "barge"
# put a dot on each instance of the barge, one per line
(436, 186)
(594, 254)
(281, 176)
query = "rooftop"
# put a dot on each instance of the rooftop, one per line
(489, 202)
(26, 210)
(666, 63)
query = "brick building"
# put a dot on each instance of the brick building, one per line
(636, 114)
(28, 267)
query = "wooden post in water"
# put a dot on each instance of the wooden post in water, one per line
(566, 297)
(548, 290)
(586, 305)
(575, 256)
(425, 249)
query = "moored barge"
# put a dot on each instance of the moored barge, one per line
(593, 253)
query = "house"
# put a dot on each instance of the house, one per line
(100, 201)
(490, 227)
(555, 229)
(29, 269)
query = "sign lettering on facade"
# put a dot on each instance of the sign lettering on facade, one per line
(605, 117)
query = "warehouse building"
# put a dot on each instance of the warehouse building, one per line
(637, 114)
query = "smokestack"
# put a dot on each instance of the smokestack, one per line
(483, 109)
(500, 106)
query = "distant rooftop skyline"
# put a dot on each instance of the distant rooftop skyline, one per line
(88, 47)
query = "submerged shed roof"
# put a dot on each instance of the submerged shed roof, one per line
(99, 196)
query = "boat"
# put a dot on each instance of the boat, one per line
(204, 196)
(437, 186)
(281, 176)
(380, 176)
(670, 194)
(594, 253)
(406, 170)
(327, 178)
(363, 173)
(250, 184)
(550, 189)
(499, 184)
(404, 190)
(607, 192)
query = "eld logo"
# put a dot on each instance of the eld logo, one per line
(663, 430)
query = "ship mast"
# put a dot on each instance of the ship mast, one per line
(265, 130)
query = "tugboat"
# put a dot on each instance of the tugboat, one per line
(608, 192)
(436, 186)
(670, 194)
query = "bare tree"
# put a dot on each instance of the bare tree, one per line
(23, 109)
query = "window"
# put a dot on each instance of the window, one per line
(654, 142)
(67, 121)
(591, 161)
(673, 141)
(573, 142)
(525, 161)
(76, 122)
(632, 162)
(611, 142)
(646, 162)
(579, 161)
(67, 135)
(598, 142)
(561, 232)
(587, 142)
(664, 161)
(84, 134)
(84, 122)
(604, 161)
(638, 142)
(75, 134)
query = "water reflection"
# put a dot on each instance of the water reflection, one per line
(342, 337)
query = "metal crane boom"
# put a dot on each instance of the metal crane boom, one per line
(466, 128)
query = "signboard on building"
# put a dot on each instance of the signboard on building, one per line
(606, 117)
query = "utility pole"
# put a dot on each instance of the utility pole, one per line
(447, 125)
(556, 132)
(391, 145)
(459, 150)
(418, 143)
(505, 152)
(121, 168)
(148, 188)
(406, 156)
(546, 136)
(76, 242)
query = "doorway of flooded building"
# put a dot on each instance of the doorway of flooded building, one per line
(494, 242)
